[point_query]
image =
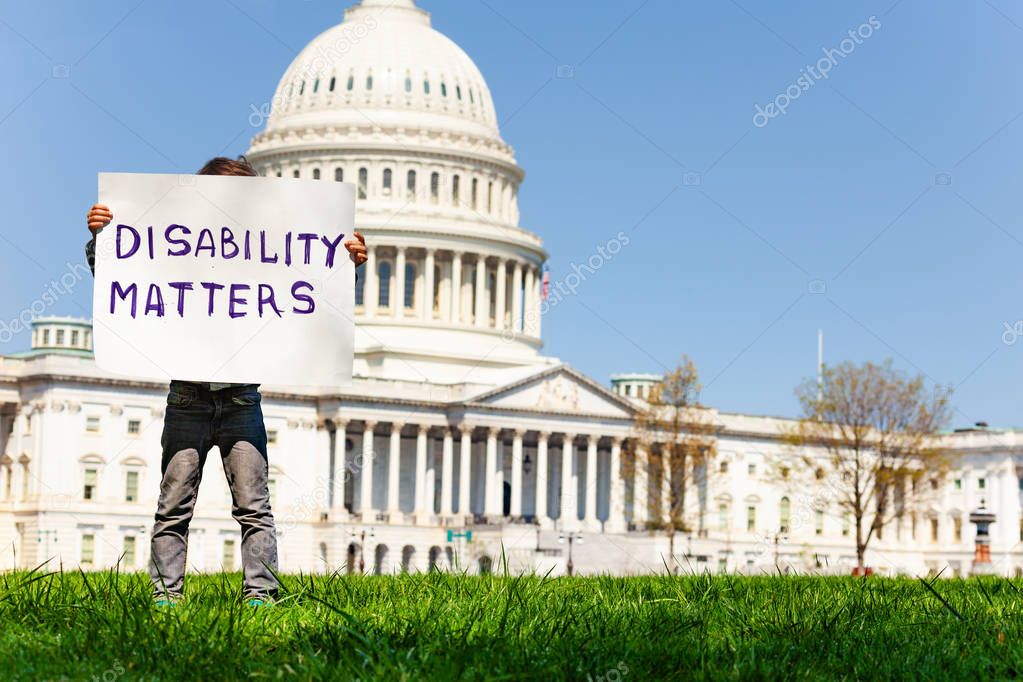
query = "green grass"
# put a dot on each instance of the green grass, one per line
(103, 626)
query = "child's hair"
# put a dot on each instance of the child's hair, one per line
(221, 165)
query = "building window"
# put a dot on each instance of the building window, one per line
(387, 182)
(434, 187)
(8, 473)
(339, 175)
(128, 551)
(934, 530)
(351, 82)
(784, 515)
(454, 190)
(410, 285)
(443, 89)
(475, 192)
(957, 484)
(751, 469)
(228, 555)
(363, 182)
(384, 275)
(316, 86)
(723, 467)
(46, 337)
(981, 483)
(818, 522)
(369, 82)
(60, 337)
(490, 196)
(360, 289)
(722, 516)
(426, 87)
(316, 174)
(25, 479)
(301, 88)
(410, 185)
(131, 486)
(333, 81)
(92, 424)
(751, 518)
(271, 436)
(74, 338)
(408, 84)
(134, 427)
(458, 91)
(88, 549)
(89, 484)
(957, 529)
(295, 173)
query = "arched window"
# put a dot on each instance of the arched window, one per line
(408, 84)
(490, 196)
(472, 99)
(384, 275)
(387, 182)
(784, 514)
(408, 552)
(363, 182)
(443, 89)
(435, 187)
(426, 86)
(295, 173)
(351, 82)
(333, 81)
(360, 289)
(492, 289)
(339, 174)
(379, 556)
(316, 85)
(458, 91)
(410, 185)
(722, 516)
(410, 285)
(454, 190)
(369, 81)
(316, 174)
(475, 193)
(301, 88)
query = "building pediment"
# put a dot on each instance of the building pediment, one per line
(560, 390)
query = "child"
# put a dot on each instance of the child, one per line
(199, 416)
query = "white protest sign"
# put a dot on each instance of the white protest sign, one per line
(225, 279)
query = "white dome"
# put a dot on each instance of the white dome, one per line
(385, 65)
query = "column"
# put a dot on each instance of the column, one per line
(366, 478)
(640, 483)
(538, 302)
(371, 288)
(569, 513)
(616, 495)
(590, 515)
(456, 287)
(421, 471)
(490, 505)
(394, 470)
(529, 309)
(481, 310)
(516, 473)
(502, 276)
(337, 484)
(464, 471)
(541, 477)
(428, 287)
(498, 485)
(665, 484)
(446, 474)
(517, 297)
(398, 296)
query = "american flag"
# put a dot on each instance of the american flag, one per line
(546, 282)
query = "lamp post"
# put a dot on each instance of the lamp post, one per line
(982, 518)
(571, 538)
(362, 546)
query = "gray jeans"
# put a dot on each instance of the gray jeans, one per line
(196, 420)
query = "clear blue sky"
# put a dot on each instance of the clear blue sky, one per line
(743, 240)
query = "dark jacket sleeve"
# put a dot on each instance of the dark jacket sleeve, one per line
(90, 254)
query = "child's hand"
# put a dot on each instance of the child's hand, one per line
(99, 217)
(356, 249)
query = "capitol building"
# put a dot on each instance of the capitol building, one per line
(459, 444)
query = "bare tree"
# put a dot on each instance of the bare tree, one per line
(675, 435)
(874, 430)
